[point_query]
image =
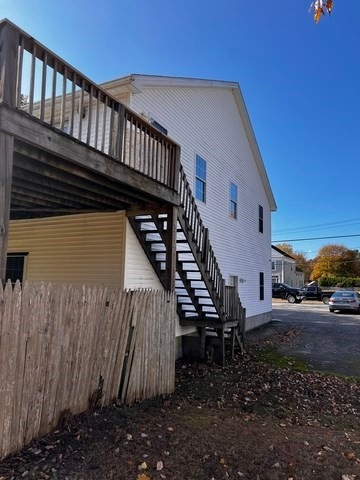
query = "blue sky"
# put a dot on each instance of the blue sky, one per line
(301, 84)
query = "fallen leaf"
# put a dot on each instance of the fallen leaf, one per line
(143, 476)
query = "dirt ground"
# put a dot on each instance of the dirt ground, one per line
(262, 416)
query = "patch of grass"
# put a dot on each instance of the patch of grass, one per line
(196, 420)
(271, 355)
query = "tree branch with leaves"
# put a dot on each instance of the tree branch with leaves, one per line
(321, 7)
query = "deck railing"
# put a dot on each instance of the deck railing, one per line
(35, 80)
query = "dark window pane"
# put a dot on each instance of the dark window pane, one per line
(15, 267)
(200, 190)
(261, 282)
(261, 219)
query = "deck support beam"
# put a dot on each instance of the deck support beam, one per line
(6, 166)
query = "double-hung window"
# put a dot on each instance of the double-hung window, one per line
(261, 286)
(261, 219)
(200, 179)
(233, 200)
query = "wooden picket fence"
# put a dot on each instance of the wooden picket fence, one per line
(65, 349)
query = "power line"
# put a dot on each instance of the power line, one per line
(314, 238)
(319, 226)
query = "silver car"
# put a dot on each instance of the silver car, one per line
(344, 300)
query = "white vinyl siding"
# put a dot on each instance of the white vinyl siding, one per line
(140, 274)
(206, 121)
(86, 248)
(138, 270)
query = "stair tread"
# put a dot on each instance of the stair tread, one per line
(197, 299)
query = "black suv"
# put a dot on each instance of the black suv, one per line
(292, 295)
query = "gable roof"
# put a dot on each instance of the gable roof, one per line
(282, 252)
(136, 82)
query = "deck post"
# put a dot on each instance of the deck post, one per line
(171, 248)
(221, 335)
(6, 165)
(202, 342)
(9, 47)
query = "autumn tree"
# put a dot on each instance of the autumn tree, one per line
(300, 258)
(336, 260)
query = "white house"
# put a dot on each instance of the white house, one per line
(223, 164)
(284, 268)
(223, 167)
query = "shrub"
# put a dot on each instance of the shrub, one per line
(341, 282)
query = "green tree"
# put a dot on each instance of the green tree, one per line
(336, 260)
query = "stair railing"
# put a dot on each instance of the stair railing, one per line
(227, 305)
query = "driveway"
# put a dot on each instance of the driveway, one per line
(329, 342)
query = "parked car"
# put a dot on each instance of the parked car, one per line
(313, 292)
(344, 300)
(284, 291)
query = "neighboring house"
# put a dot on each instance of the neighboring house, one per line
(284, 269)
(95, 220)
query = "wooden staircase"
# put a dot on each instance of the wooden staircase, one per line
(203, 299)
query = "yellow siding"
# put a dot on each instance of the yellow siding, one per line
(87, 248)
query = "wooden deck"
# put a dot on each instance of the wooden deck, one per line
(67, 146)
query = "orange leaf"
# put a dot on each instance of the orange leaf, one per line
(317, 14)
(329, 5)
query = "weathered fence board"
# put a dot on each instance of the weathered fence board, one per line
(66, 348)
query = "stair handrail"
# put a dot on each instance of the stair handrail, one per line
(200, 235)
